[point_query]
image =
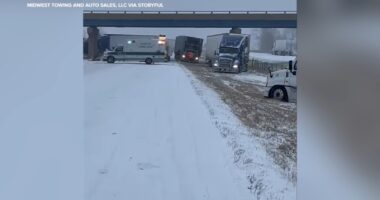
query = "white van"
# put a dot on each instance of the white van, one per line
(143, 48)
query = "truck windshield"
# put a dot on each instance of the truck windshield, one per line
(231, 41)
(228, 50)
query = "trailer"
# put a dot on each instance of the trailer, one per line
(188, 49)
(143, 48)
(212, 47)
(228, 52)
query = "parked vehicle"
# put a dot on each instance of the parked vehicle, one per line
(228, 52)
(143, 48)
(282, 84)
(188, 49)
(284, 47)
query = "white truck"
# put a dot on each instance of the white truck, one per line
(282, 84)
(143, 48)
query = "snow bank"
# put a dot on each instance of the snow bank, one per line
(253, 78)
(267, 57)
(249, 159)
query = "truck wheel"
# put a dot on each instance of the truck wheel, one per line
(279, 93)
(110, 59)
(148, 61)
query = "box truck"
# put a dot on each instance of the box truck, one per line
(228, 52)
(188, 49)
(282, 84)
(143, 48)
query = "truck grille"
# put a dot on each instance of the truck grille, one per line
(225, 63)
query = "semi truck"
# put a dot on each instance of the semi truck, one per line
(143, 48)
(282, 84)
(188, 49)
(228, 52)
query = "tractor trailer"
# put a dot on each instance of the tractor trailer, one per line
(228, 52)
(282, 84)
(188, 49)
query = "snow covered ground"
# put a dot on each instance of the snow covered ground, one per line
(254, 78)
(156, 132)
(267, 57)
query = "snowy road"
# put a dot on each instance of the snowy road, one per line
(149, 136)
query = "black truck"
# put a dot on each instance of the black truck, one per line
(187, 48)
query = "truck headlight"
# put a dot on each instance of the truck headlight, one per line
(216, 63)
(236, 64)
(196, 58)
(183, 56)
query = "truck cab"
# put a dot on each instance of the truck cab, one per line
(190, 56)
(282, 84)
(233, 54)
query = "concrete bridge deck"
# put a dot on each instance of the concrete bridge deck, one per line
(200, 19)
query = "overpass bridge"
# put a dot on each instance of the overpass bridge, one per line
(199, 19)
(185, 19)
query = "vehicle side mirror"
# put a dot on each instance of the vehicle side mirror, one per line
(290, 65)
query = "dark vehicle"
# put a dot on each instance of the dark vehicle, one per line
(228, 52)
(187, 48)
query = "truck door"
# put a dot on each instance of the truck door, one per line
(119, 52)
(293, 76)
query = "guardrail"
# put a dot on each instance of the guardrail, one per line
(188, 12)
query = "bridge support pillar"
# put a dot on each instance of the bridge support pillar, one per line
(93, 35)
(235, 30)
